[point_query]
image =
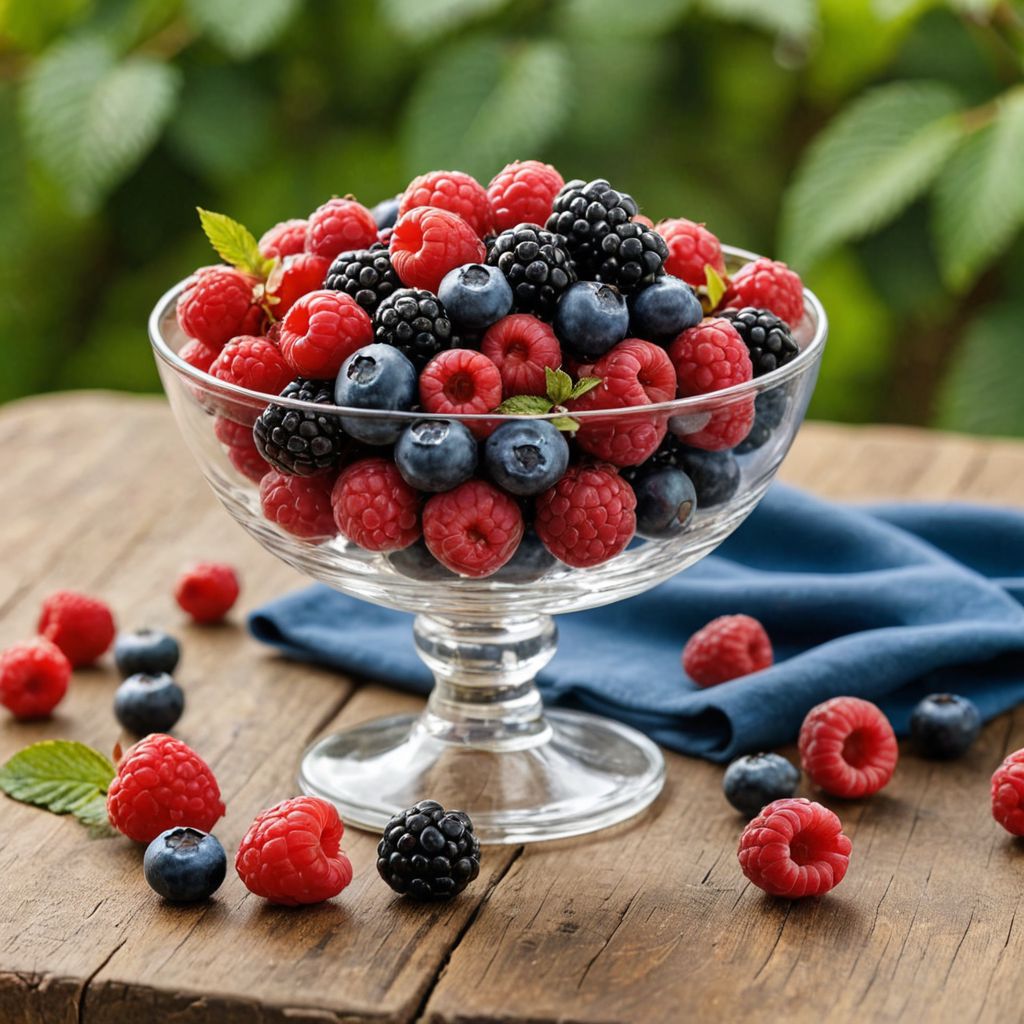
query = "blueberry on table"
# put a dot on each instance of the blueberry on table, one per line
(754, 781)
(145, 650)
(146, 703)
(944, 725)
(185, 865)
(526, 457)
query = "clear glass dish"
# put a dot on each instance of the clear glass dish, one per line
(485, 743)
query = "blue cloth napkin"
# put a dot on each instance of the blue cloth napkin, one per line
(889, 603)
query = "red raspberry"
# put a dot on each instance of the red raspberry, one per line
(291, 854)
(160, 783)
(338, 225)
(217, 304)
(521, 346)
(196, 354)
(588, 517)
(641, 218)
(299, 505)
(374, 507)
(691, 247)
(460, 381)
(453, 191)
(294, 277)
(847, 747)
(522, 193)
(724, 427)
(726, 648)
(638, 368)
(241, 448)
(284, 239)
(767, 284)
(795, 848)
(474, 529)
(33, 678)
(321, 331)
(1008, 793)
(229, 433)
(428, 242)
(81, 626)
(207, 591)
(253, 363)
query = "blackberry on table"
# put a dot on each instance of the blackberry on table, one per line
(415, 322)
(537, 266)
(364, 274)
(768, 338)
(429, 853)
(301, 442)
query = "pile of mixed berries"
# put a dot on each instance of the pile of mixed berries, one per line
(531, 297)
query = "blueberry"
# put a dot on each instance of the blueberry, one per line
(527, 457)
(944, 725)
(385, 213)
(664, 309)
(436, 455)
(591, 318)
(769, 411)
(148, 703)
(417, 563)
(665, 502)
(715, 475)
(753, 781)
(475, 295)
(146, 650)
(185, 865)
(530, 562)
(376, 377)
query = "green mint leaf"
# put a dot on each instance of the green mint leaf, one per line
(234, 243)
(583, 385)
(558, 385)
(525, 405)
(566, 423)
(715, 286)
(64, 776)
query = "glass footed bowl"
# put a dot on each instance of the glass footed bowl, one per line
(485, 743)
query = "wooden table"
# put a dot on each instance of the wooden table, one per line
(649, 922)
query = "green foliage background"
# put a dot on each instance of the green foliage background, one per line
(878, 145)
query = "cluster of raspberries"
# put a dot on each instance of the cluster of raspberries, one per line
(454, 300)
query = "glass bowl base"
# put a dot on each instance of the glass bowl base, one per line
(584, 773)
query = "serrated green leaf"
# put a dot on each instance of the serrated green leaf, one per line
(583, 385)
(64, 776)
(558, 385)
(93, 815)
(796, 18)
(484, 103)
(422, 20)
(714, 285)
(525, 405)
(234, 243)
(566, 423)
(874, 159)
(979, 197)
(241, 27)
(90, 119)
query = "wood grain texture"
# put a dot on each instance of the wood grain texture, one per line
(648, 922)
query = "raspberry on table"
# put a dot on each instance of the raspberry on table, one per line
(197, 355)
(218, 304)
(292, 278)
(253, 363)
(588, 517)
(1008, 793)
(374, 507)
(299, 441)
(726, 648)
(847, 747)
(284, 239)
(365, 274)
(291, 854)
(767, 284)
(162, 783)
(321, 331)
(338, 225)
(691, 247)
(34, 677)
(473, 529)
(454, 191)
(522, 193)
(301, 506)
(80, 625)
(795, 848)
(521, 346)
(428, 242)
(461, 381)
(207, 591)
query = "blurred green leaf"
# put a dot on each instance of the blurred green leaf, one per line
(89, 119)
(242, 27)
(797, 18)
(979, 197)
(485, 104)
(422, 20)
(877, 156)
(982, 392)
(31, 24)
(603, 18)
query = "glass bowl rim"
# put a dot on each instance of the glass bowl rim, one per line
(695, 403)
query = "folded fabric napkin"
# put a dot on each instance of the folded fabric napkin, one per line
(888, 602)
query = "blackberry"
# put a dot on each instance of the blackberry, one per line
(769, 411)
(302, 443)
(632, 255)
(429, 853)
(365, 274)
(537, 266)
(715, 475)
(415, 322)
(768, 338)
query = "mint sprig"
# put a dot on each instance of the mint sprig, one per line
(560, 389)
(65, 777)
(235, 244)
